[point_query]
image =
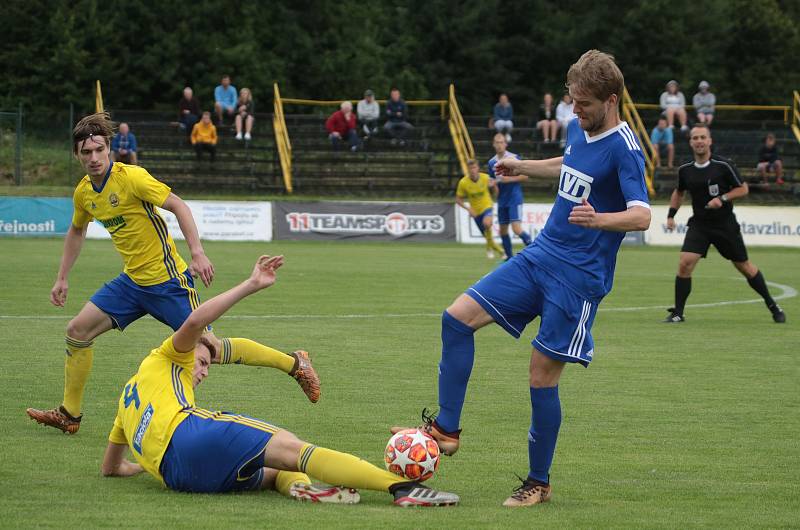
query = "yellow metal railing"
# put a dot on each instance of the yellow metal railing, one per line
(458, 131)
(98, 97)
(796, 115)
(282, 140)
(766, 108)
(441, 103)
(631, 115)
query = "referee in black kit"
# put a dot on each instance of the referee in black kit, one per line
(714, 184)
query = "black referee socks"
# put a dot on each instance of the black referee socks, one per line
(760, 286)
(683, 286)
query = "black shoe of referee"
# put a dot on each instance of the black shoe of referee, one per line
(777, 313)
(674, 317)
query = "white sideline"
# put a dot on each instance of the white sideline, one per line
(786, 292)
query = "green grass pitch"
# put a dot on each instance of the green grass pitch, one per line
(672, 425)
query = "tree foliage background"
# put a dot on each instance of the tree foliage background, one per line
(145, 52)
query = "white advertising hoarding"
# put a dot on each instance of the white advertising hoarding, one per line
(761, 225)
(216, 221)
(534, 217)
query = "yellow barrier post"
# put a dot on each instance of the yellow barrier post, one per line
(282, 139)
(631, 115)
(462, 143)
(98, 97)
(796, 115)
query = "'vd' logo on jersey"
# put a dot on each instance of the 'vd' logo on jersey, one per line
(574, 185)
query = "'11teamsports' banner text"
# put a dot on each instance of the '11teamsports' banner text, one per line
(371, 221)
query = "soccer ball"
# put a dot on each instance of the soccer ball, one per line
(412, 454)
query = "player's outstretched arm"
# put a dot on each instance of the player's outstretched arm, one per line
(73, 242)
(509, 168)
(263, 276)
(115, 464)
(200, 265)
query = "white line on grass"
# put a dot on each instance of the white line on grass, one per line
(786, 292)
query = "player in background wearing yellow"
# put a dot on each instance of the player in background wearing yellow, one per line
(478, 189)
(196, 450)
(155, 279)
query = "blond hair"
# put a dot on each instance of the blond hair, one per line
(98, 124)
(596, 73)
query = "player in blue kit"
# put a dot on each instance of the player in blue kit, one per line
(562, 276)
(509, 197)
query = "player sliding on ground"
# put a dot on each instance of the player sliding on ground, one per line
(562, 276)
(155, 280)
(196, 450)
(478, 189)
(714, 184)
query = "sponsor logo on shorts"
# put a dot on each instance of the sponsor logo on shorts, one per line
(394, 224)
(574, 185)
(144, 423)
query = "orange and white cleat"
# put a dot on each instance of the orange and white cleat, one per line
(448, 441)
(528, 493)
(58, 418)
(322, 493)
(305, 375)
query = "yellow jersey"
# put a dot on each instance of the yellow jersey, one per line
(154, 402)
(125, 205)
(476, 192)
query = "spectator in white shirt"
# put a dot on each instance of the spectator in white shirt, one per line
(673, 103)
(368, 111)
(564, 115)
(704, 102)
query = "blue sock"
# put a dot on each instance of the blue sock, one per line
(525, 237)
(458, 352)
(506, 239)
(545, 422)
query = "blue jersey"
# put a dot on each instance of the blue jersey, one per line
(510, 193)
(608, 171)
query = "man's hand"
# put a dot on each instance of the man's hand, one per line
(506, 167)
(263, 274)
(128, 469)
(202, 266)
(670, 223)
(584, 215)
(58, 294)
(472, 212)
(714, 204)
(336, 134)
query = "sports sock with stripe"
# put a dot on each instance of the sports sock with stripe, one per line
(759, 285)
(285, 479)
(77, 367)
(545, 423)
(333, 467)
(525, 237)
(455, 367)
(251, 353)
(683, 286)
(509, 250)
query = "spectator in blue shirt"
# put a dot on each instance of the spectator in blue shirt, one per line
(123, 146)
(661, 137)
(503, 117)
(225, 97)
(397, 125)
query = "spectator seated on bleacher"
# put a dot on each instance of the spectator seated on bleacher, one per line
(204, 137)
(673, 103)
(546, 120)
(704, 102)
(225, 97)
(503, 117)
(397, 125)
(341, 127)
(188, 110)
(123, 146)
(245, 114)
(369, 111)
(564, 115)
(769, 160)
(662, 139)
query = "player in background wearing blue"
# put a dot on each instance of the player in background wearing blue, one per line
(509, 197)
(562, 276)
(196, 450)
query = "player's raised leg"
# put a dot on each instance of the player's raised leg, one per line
(756, 280)
(80, 334)
(286, 451)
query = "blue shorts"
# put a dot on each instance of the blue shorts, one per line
(509, 214)
(518, 291)
(479, 219)
(216, 452)
(125, 301)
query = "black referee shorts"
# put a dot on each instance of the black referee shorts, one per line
(726, 237)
